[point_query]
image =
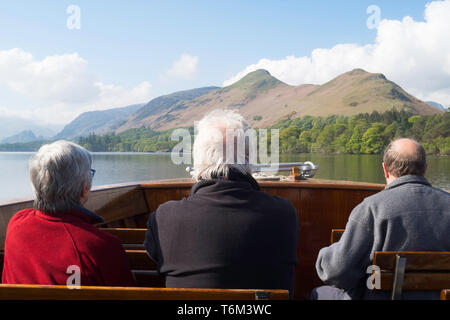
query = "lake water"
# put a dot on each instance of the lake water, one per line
(114, 168)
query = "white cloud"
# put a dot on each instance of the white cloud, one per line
(61, 85)
(185, 67)
(414, 54)
(58, 78)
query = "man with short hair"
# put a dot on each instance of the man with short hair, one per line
(409, 215)
(227, 233)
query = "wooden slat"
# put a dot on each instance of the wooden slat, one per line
(128, 235)
(413, 281)
(336, 235)
(46, 292)
(415, 260)
(445, 294)
(139, 260)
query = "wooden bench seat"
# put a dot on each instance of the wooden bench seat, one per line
(336, 235)
(49, 292)
(413, 271)
(409, 270)
(144, 269)
(142, 266)
(132, 238)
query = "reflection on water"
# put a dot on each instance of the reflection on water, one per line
(125, 167)
(368, 168)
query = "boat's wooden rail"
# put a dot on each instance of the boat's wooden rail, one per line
(49, 292)
(321, 205)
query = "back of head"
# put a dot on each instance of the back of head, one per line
(405, 156)
(224, 141)
(59, 172)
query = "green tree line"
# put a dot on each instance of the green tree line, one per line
(360, 134)
(132, 140)
(363, 133)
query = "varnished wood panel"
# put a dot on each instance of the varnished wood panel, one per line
(6, 213)
(128, 235)
(47, 292)
(445, 294)
(321, 208)
(139, 260)
(127, 205)
(2, 259)
(336, 235)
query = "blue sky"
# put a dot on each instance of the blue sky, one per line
(126, 43)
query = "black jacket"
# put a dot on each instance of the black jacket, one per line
(226, 234)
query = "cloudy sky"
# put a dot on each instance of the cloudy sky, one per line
(61, 58)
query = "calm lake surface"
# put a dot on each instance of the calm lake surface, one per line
(126, 167)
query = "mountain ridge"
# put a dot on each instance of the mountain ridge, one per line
(265, 100)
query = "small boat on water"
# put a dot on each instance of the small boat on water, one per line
(322, 205)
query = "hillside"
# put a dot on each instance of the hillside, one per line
(10, 126)
(436, 105)
(157, 108)
(99, 122)
(21, 137)
(264, 100)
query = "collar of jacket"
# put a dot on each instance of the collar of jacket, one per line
(78, 212)
(410, 178)
(235, 179)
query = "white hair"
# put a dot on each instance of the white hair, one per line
(58, 172)
(222, 142)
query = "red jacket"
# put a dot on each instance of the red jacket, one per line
(40, 247)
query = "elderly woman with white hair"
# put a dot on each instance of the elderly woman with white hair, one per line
(51, 242)
(227, 233)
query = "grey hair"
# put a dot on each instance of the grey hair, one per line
(403, 163)
(220, 132)
(58, 172)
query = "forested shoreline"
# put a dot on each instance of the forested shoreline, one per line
(360, 134)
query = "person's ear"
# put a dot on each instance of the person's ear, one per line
(386, 173)
(85, 193)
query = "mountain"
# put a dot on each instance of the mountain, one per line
(157, 107)
(99, 122)
(437, 105)
(10, 126)
(264, 100)
(22, 137)
(260, 98)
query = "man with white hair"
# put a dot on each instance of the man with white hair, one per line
(55, 240)
(227, 233)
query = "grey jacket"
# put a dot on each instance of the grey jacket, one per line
(409, 215)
